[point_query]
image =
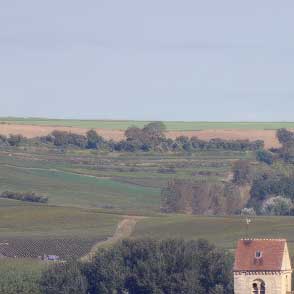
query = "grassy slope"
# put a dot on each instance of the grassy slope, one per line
(32, 220)
(76, 190)
(129, 182)
(171, 125)
(223, 231)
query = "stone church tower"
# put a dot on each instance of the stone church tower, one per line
(262, 266)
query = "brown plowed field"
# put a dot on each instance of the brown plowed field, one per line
(268, 136)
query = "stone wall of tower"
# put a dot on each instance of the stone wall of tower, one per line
(275, 282)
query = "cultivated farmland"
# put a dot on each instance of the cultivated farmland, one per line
(91, 192)
(34, 230)
(115, 129)
(222, 231)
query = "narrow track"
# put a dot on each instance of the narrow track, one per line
(123, 230)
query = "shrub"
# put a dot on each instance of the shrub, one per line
(26, 196)
(248, 211)
(277, 206)
(265, 156)
(94, 141)
(284, 136)
(15, 140)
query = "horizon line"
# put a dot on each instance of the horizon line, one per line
(2, 118)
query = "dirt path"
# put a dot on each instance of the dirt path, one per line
(123, 230)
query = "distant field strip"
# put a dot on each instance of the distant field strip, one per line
(171, 125)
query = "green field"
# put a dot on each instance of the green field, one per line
(222, 231)
(18, 220)
(129, 183)
(69, 189)
(32, 230)
(171, 125)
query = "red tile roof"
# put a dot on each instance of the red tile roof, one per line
(271, 259)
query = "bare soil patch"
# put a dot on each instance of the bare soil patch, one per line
(124, 230)
(31, 131)
(268, 136)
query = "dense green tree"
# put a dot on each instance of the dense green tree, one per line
(265, 156)
(169, 266)
(60, 138)
(284, 136)
(157, 128)
(134, 134)
(94, 140)
(153, 133)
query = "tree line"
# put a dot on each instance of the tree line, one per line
(24, 196)
(149, 138)
(285, 152)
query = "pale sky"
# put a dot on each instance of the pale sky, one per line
(227, 60)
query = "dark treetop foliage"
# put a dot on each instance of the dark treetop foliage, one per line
(12, 140)
(24, 196)
(146, 266)
(284, 136)
(169, 266)
(150, 138)
(265, 156)
(286, 152)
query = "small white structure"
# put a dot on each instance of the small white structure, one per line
(51, 257)
(262, 266)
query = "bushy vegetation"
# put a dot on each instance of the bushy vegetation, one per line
(25, 196)
(286, 152)
(264, 187)
(147, 266)
(201, 197)
(269, 186)
(149, 138)
(265, 156)
(277, 206)
(11, 140)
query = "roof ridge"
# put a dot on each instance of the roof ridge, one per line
(263, 239)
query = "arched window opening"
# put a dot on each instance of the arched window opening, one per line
(254, 288)
(262, 288)
(258, 287)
